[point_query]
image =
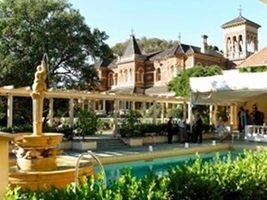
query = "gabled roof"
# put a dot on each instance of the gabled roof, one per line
(131, 48)
(255, 60)
(239, 21)
(178, 48)
(103, 63)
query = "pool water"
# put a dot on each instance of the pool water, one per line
(159, 166)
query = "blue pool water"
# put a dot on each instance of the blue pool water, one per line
(158, 166)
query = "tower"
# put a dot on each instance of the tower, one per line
(240, 39)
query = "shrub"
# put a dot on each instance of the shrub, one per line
(87, 123)
(240, 178)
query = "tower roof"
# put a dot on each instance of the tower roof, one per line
(132, 47)
(239, 21)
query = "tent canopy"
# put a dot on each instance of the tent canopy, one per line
(228, 88)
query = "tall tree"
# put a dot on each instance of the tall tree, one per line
(180, 84)
(147, 45)
(30, 28)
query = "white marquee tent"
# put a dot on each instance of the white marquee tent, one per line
(228, 88)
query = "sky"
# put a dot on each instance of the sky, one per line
(167, 19)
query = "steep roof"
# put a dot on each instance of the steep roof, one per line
(256, 60)
(239, 21)
(103, 63)
(131, 48)
(178, 48)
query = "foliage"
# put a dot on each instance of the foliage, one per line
(105, 124)
(175, 112)
(87, 123)
(129, 122)
(253, 69)
(142, 129)
(154, 108)
(180, 84)
(242, 177)
(31, 28)
(147, 45)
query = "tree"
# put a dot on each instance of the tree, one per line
(30, 28)
(147, 45)
(180, 84)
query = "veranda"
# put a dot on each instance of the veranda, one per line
(101, 103)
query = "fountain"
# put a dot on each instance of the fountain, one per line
(38, 162)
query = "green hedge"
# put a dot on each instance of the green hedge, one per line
(244, 177)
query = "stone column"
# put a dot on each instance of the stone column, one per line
(10, 111)
(4, 165)
(133, 105)
(71, 112)
(116, 110)
(154, 112)
(162, 112)
(51, 111)
(190, 115)
(104, 106)
(210, 114)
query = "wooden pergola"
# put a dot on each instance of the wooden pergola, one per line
(90, 97)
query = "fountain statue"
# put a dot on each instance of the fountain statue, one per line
(38, 151)
(37, 155)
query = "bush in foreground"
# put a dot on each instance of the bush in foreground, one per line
(244, 177)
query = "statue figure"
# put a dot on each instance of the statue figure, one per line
(39, 84)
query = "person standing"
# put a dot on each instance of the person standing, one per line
(181, 129)
(243, 121)
(197, 129)
(170, 130)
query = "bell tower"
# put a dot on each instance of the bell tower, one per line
(240, 38)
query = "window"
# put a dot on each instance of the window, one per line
(158, 74)
(140, 75)
(110, 79)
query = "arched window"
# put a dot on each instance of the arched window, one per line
(126, 75)
(130, 75)
(240, 43)
(110, 79)
(121, 78)
(158, 74)
(115, 79)
(140, 75)
(173, 74)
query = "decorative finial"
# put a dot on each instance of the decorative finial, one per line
(132, 32)
(240, 10)
(179, 37)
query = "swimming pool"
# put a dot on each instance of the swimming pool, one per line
(159, 166)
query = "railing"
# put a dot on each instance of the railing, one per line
(256, 133)
(77, 167)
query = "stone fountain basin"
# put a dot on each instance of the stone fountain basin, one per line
(46, 140)
(63, 175)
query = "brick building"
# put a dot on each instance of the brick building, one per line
(137, 72)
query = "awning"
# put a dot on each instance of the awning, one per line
(230, 87)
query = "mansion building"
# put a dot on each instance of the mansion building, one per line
(137, 72)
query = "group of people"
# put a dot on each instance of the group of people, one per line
(182, 133)
(256, 117)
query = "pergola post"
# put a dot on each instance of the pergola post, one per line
(154, 112)
(210, 114)
(162, 112)
(71, 112)
(104, 105)
(9, 110)
(51, 111)
(133, 105)
(116, 109)
(4, 165)
(190, 115)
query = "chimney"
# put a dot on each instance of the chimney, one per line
(204, 43)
